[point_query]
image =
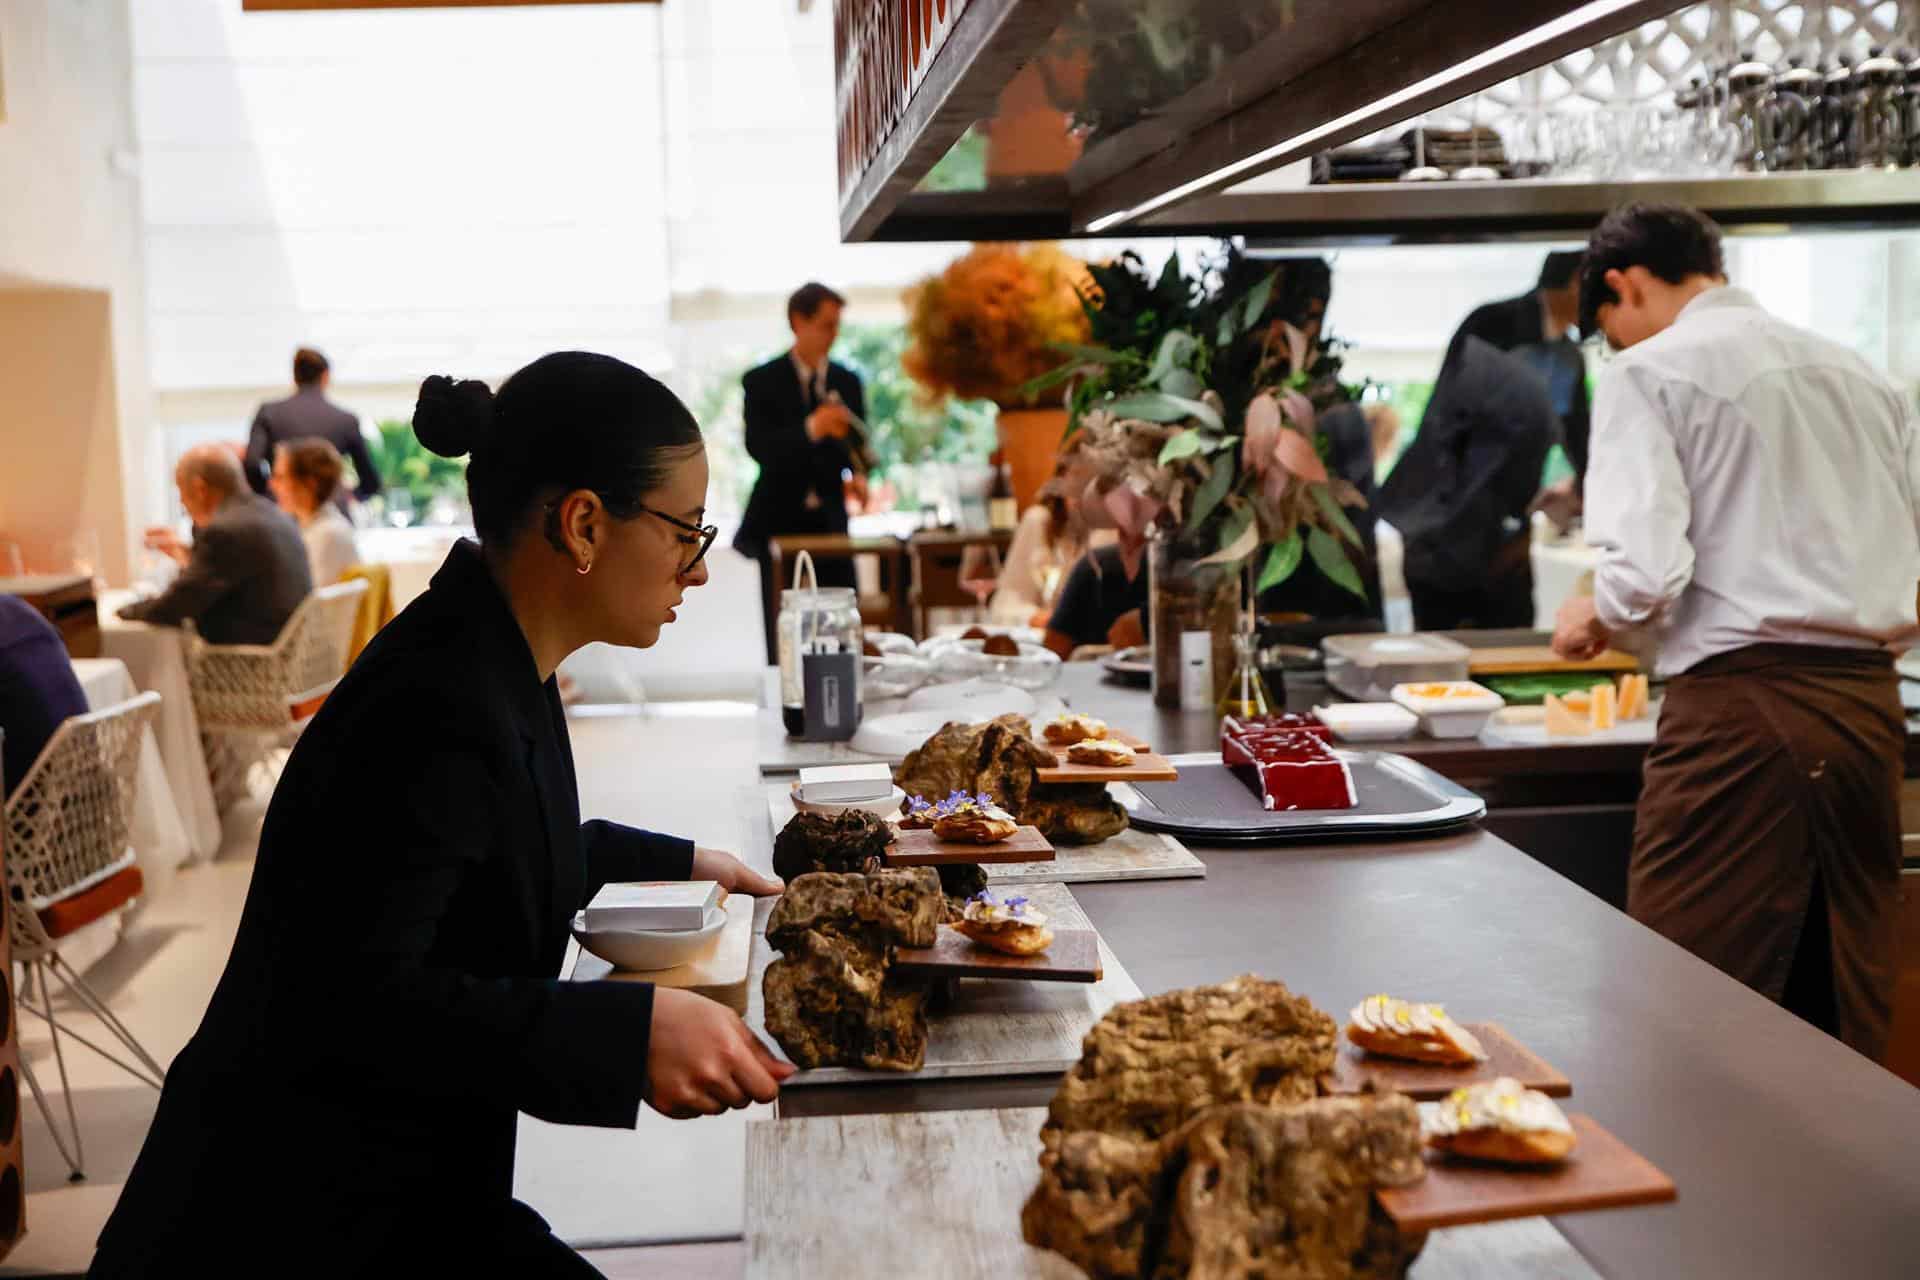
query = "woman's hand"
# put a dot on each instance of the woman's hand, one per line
(734, 875)
(702, 1060)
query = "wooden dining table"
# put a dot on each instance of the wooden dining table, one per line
(1793, 1154)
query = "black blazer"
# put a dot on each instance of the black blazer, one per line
(246, 575)
(1514, 324)
(790, 464)
(391, 1000)
(305, 414)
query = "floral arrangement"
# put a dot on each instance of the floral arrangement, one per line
(1192, 416)
(989, 324)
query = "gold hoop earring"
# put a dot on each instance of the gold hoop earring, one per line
(584, 569)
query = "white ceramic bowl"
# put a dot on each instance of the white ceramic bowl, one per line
(885, 807)
(891, 642)
(645, 949)
(1463, 714)
(1033, 669)
(894, 675)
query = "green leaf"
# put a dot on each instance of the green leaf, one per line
(1158, 406)
(1239, 538)
(1182, 383)
(1211, 491)
(1183, 445)
(1281, 561)
(1332, 561)
(1323, 498)
(1216, 443)
(1257, 298)
(1083, 353)
(1177, 346)
(1227, 330)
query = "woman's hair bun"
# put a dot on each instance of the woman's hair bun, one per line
(452, 418)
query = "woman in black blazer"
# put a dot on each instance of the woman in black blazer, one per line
(347, 1107)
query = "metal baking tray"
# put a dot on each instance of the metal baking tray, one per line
(1398, 797)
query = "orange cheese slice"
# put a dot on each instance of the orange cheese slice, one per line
(1580, 702)
(1562, 723)
(1633, 697)
(1605, 708)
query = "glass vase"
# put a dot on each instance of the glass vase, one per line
(1194, 611)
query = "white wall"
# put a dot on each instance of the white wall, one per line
(69, 219)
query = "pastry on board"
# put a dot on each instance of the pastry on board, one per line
(1101, 751)
(1068, 728)
(917, 814)
(1418, 1032)
(972, 819)
(1499, 1120)
(1009, 925)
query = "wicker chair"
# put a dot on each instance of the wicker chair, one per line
(272, 689)
(68, 865)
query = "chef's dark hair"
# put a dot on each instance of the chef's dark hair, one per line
(570, 420)
(1672, 241)
(1560, 268)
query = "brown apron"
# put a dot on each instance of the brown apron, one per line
(1773, 790)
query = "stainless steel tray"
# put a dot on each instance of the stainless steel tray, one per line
(1397, 797)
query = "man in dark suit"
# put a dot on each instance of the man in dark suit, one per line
(308, 414)
(246, 571)
(1538, 326)
(803, 415)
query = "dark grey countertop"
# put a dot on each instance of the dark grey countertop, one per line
(1794, 1156)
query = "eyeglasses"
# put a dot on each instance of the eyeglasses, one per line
(705, 532)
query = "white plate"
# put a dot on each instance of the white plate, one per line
(973, 700)
(1368, 721)
(1137, 661)
(648, 949)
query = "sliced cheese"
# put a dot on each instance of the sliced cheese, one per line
(1580, 702)
(1633, 697)
(1562, 723)
(1605, 708)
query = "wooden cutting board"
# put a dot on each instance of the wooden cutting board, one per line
(1513, 660)
(1354, 1067)
(1147, 766)
(916, 848)
(1074, 956)
(1602, 1173)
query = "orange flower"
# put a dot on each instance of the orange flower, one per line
(981, 328)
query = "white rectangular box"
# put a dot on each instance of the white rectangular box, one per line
(835, 784)
(653, 904)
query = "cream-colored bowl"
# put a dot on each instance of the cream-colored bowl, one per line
(645, 949)
(885, 807)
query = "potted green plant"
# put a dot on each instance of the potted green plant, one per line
(1192, 431)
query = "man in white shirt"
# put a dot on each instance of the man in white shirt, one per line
(1752, 492)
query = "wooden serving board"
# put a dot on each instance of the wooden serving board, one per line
(1602, 1173)
(1147, 766)
(719, 975)
(1132, 855)
(955, 1182)
(1073, 956)
(916, 848)
(988, 1028)
(1354, 1067)
(1513, 660)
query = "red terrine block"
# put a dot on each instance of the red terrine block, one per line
(1289, 770)
(1284, 722)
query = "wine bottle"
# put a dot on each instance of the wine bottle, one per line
(1003, 511)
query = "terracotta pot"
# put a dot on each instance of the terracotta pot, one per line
(1030, 441)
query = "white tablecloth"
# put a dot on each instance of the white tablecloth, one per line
(156, 659)
(159, 835)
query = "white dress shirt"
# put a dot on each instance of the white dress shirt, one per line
(1751, 483)
(330, 545)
